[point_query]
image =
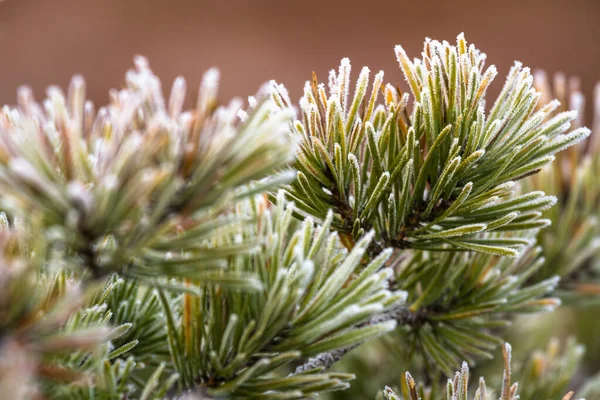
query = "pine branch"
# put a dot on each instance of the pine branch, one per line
(322, 362)
(571, 245)
(140, 186)
(400, 215)
(434, 179)
(300, 310)
(543, 375)
(401, 314)
(440, 179)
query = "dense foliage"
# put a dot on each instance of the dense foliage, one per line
(241, 251)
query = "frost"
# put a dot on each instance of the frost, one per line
(111, 182)
(242, 115)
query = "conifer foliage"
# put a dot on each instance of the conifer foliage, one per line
(148, 252)
(571, 244)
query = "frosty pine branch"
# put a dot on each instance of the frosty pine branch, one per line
(236, 251)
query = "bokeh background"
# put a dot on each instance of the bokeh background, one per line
(45, 42)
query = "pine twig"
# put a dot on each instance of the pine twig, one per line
(401, 314)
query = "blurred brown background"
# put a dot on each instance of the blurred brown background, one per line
(46, 41)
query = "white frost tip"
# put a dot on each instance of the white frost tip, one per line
(211, 78)
(351, 310)
(111, 182)
(399, 51)
(76, 190)
(141, 62)
(539, 76)
(77, 80)
(179, 83)
(242, 115)
(25, 92)
(252, 102)
(308, 268)
(177, 96)
(332, 80)
(22, 166)
(465, 367)
(304, 103)
(238, 238)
